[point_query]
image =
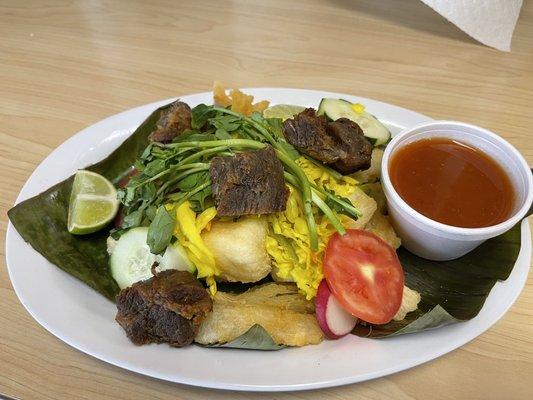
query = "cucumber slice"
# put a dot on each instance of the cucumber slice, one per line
(373, 130)
(175, 257)
(131, 260)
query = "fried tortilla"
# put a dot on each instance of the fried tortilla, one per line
(284, 313)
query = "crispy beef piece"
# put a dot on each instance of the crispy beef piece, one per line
(167, 308)
(173, 122)
(339, 144)
(308, 133)
(357, 147)
(250, 183)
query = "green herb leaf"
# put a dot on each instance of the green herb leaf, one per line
(193, 180)
(194, 136)
(202, 200)
(222, 134)
(160, 231)
(258, 117)
(129, 195)
(154, 167)
(138, 165)
(200, 115)
(147, 151)
(287, 245)
(132, 220)
(150, 212)
(228, 123)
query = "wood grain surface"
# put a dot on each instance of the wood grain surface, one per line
(67, 64)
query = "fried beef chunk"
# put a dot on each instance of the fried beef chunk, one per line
(173, 122)
(250, 183)
(167, 308)
(339, 144)
(352, 140)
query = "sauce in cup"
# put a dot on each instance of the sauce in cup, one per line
(452, 183)
(453, 186)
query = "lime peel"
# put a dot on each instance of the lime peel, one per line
(93, 203)
(283, 111)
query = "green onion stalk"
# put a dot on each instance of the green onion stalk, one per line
(304, 186)
(294, 174)
(183, 199)
(174, 168)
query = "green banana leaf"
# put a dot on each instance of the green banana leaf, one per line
(451, 291)
(255, 338)
(42, 220)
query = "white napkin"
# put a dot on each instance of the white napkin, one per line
(490, 22)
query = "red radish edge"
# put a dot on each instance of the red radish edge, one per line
(334, 321)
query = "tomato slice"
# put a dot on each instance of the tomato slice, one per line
(365, 275)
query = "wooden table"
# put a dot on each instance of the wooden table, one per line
(67, 64)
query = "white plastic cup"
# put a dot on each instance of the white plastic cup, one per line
(437, 241)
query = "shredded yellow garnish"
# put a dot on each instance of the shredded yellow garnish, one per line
(298, 263)
(291, 254)
(342, 187)
(203, 221)
(188, 228)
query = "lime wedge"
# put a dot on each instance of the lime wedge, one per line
(93, 203)
(283, 111)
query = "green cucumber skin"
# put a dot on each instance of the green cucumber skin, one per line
(130, 243)
(377, 133)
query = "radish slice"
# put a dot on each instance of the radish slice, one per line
(334, 321)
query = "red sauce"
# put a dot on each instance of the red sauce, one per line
(452, 183)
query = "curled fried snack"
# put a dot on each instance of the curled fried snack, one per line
(240, 102)
(285, 314)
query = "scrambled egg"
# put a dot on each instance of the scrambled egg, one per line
(188, 228)
(288, 241)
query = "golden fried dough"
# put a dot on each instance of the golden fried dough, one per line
(380, 226)
(285, 314)
(366, 205)
(239, 249)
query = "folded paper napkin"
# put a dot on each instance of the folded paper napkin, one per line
(490, 22)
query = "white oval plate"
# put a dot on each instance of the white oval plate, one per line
(86, 320)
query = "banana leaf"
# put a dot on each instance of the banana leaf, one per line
(255, 338)
(42, 220)
(451, 291)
